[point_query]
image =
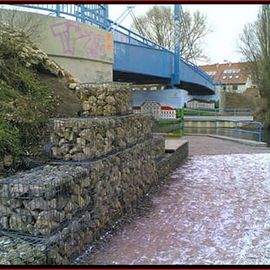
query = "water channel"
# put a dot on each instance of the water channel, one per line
(229, 132)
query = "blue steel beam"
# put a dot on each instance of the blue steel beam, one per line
(177, 21)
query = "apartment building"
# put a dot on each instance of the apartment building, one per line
(233, 77)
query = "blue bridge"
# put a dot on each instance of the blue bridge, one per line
(136, 59)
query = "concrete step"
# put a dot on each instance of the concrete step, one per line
(171, 145)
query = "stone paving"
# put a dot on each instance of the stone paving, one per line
(215, 209)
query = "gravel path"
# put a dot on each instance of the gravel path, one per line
(214, 210)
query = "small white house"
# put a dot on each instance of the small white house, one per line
(167, 112)
(159, 112)
(200, 104)
(151, 107)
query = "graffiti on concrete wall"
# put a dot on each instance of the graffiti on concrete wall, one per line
(73, 37)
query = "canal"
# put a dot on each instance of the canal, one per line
(230, 132)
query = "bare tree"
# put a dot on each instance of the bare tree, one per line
(26, 23)
(158, 25)
(255, 46)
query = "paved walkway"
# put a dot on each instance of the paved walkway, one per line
(214, 210)
(204, 145)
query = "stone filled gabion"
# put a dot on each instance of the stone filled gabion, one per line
(105, 99)
(112, 185)
(37, 202)
(170, 161)
(90, 138)
(20, 252)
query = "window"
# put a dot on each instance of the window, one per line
(224, 77)
(230, 77)
(231, 71)
(224, 87)
(236, 76)
(235, 87)
(211, 73)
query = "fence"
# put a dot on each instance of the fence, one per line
(216, 112)
(250, 130)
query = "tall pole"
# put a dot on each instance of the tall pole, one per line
(106, 15)
(177, 22)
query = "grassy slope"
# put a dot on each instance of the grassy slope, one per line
(29, 95)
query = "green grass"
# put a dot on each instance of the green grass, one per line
(25, 103)
(164, 122)
(175, 134)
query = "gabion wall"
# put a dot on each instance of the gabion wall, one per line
(68, 206)
(105, 99)
(170, 161)
(89, 138)
(102, 166)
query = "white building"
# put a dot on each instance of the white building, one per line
(233, 77)
(200, 104)
(167, 112)
(158, 111)
(152, 107)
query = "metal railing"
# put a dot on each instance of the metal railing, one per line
(237, 111)
(239, 129)
(97, 14)
(94, 14)
(252, 127)
(216, 112)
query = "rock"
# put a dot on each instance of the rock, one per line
(62, 142)
(40, 204)
(72, 86)
(78, 200)
(75, 149)
(76, 189)
(56, 152)
(78, 157)
(110, 100)
(81, 141)
(19, 222)
(44, 223)
(18, 189)
(92, 100)
(8, 160)
(4, 222)
(86, 106)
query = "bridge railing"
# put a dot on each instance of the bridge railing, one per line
(94, 14)
(198, 70)
(97, 14)
(124, 34)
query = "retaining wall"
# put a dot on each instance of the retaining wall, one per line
(90, 138)
(101, 167)
(68, 206)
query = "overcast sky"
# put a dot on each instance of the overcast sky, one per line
(227, 22)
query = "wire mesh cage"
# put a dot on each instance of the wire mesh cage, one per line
(41, 201)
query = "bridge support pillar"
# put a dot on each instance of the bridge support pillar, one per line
(222, 98)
